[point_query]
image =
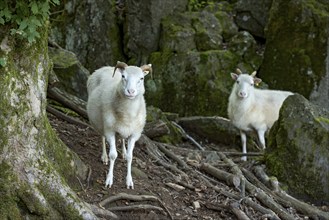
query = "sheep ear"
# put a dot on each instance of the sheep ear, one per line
(147, 69)
(257, 81)
(234, 76)
(121, 66)
(238, 71)
(253, 74)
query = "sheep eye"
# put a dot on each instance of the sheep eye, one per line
(252, 84)
(237, 82)
(142, 78)
(123, 77)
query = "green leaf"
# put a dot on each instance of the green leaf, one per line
(3, 62)
(34, 8)
(7, 13)
(23, 24)
(2, 21)
(55, 2)
(35, 21)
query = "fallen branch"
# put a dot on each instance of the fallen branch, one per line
(73, 104)
(67, 118)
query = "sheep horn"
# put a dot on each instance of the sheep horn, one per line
(238, 71)
(120, 65)
(253, 74)
(147, 68)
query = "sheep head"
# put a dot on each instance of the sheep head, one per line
(120, 65)
(244, 83)
(132, 82)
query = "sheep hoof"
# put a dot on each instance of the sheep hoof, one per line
(130, 183)
(131, 186)
(104, 159)
(108, 182)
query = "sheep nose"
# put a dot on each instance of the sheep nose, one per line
(242, 94)
(131, 91)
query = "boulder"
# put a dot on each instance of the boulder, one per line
(252, 15)
(169, 133)
(91, 30)
(297, 49)
(197, 83)
(297, 151)
(216, 130)
(142, 25)
(70, 72)
(191, 83)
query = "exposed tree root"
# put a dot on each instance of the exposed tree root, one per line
(139, 198)
(136, 207)
(102, 212)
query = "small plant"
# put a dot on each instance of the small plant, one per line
(196, 5)
(25, 16)
(3, 62)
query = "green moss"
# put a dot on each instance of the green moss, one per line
(304, 60)
(155, 114)
(322, 119)
(8, 196)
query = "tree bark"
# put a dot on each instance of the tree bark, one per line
(35, 166)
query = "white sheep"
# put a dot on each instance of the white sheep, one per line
(251, 109)
(116, 105)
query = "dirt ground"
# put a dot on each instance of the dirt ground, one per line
(194, 201)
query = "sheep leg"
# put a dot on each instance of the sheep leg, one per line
(124, 151)
(104, 157)
(113, 154)
(129, 156)
(261, 137)
(244, 145)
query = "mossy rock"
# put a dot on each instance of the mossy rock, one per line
(296, 51)
(297, 151)
(72, 75)
(175, 136)
(193, 83)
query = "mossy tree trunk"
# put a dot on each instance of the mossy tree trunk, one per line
(35, 166)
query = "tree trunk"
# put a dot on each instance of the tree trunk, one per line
(37, 170)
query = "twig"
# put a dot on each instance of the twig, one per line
(188, 136)
(81, 184)
(88, 178)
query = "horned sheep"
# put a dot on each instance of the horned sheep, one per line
(116, 105)
(252, 109)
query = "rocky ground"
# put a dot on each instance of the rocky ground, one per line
(173, 186)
